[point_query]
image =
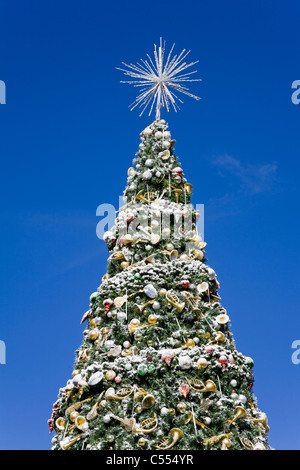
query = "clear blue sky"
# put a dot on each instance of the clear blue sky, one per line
(67, 139)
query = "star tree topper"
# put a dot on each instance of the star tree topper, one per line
(156, 78)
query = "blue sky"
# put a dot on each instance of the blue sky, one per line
(67, 139)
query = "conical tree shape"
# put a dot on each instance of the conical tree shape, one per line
(158, 368)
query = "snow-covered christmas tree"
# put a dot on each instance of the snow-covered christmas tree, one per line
(158, 367)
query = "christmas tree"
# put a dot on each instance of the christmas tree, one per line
(158, 367)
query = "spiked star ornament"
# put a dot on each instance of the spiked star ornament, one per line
(156, 79)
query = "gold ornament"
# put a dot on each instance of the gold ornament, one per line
(189, 343)
(218, 338)
(199, 386)
(188, 188)
(142, 441)
(210, 441)
(94, 333)
(226, 443)
(193, 301)
(60, 423)
(66, 443)
(202, 363)
(73, 416)
(139, 308)
(124, 264)
(130, 171)
(147, 426)
(125, 392)
(104, 334)
(152, 319)
(119, 301)
(110, 374)
(77, 405)
(173, 299)
(197, 254)
(148, 401)
(181, 407)
(192, 418)
(80, 422)
(262, 421)
(240, 413)
(147, 197)
(117, 255)
(175, 433)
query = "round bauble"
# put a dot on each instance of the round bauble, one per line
(142, 369)
(259, 446)
(142, 441)
(158, 134)
(149, 162)
(164, 411)
(106, 419)
(185, 362)
(233, 383)
(242, 399)
(110, 374)
(223, 360)
(202, 363)
(249, 362)
(181, 407)
(94, 333)
(124, 264)
(185, 283)
(121, 316)
(93, 297)
(178, 171)
(147, 175)
(147, 131)
(73, 416)
(152, 319)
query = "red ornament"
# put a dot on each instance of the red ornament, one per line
(107, 304)
(85, 317)
(185, 283)
(51, 420)
(230, 358)
(167, 358)
(184, 389)
(50, 424)
(209, 349)
(129, 217)
(178, 171)
(223, 360)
